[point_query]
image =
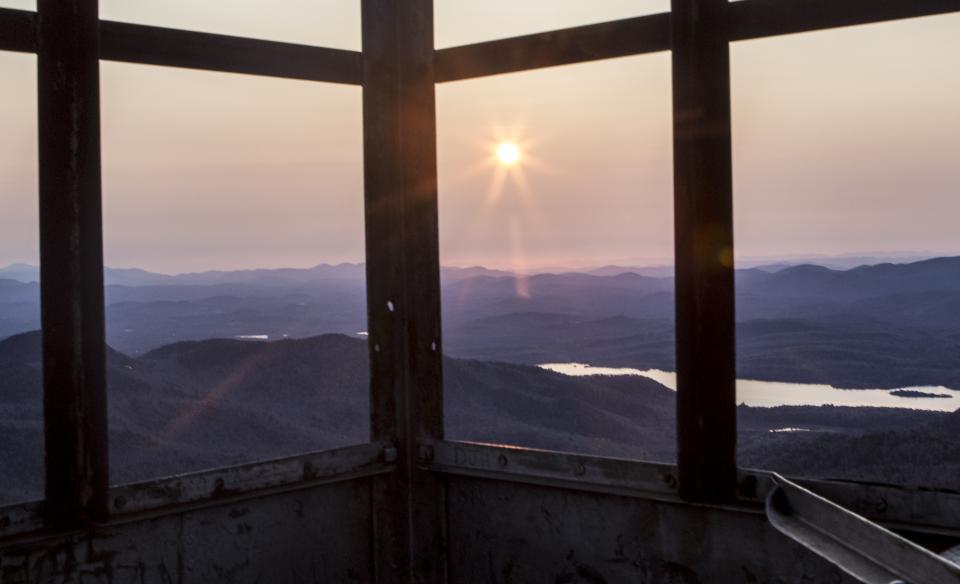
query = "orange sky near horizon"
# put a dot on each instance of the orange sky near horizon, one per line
(844, 141)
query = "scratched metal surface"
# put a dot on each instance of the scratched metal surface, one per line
(318, 534)
(504, 533)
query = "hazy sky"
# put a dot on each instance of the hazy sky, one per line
(845, 141)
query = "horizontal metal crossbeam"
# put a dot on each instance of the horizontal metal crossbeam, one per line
(621, 38)
(151, 45)
(18, 31)
(148, 45)
(751, 19)
(748, 19)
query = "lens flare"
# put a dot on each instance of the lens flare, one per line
(508, 153)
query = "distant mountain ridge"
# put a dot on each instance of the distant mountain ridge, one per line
(27, 273)
(879, 326)
(139, 277)
(938, 274)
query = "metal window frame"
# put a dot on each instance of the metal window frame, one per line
(398, 69)
(71, 263)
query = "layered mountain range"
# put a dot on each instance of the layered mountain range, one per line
(186, 392)
(877, 326)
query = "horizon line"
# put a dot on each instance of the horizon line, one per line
(572, 266)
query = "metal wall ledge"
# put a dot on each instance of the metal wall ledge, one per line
(555, 469)
(219, 486)
(910, 509)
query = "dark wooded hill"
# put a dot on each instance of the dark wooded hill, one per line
(195, 405)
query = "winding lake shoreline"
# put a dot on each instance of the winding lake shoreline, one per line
(768, 394)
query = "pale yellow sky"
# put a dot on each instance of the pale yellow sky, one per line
(845, 141)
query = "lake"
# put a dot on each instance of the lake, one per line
(778, 393)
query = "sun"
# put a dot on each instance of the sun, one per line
(508, 153)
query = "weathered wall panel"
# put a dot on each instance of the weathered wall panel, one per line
(505, 533)
(320, 534)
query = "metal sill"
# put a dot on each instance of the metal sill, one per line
(916, 510)
(218, 486)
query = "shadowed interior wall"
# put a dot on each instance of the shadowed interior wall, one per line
(510, 533)
(497, 532)
(318, 534)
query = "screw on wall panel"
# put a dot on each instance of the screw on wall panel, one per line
(120, 502)
(670, 480)
(389, 454)
(425, 453)
(502, 460)
(579, 470)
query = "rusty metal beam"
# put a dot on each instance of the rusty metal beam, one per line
(633, 36)
(403, 283)
(703, 232)
(71, 262)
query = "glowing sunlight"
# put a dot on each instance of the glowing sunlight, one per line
(508, 153)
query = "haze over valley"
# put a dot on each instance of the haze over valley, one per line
(879, 326)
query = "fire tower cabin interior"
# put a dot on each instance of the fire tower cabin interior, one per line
(410, 505)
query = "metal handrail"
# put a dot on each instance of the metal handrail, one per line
(866, 551)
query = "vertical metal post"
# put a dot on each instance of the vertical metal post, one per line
(703, 192)
(71, 261)
(403, 284)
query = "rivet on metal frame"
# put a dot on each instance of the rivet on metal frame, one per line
(389, 454)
